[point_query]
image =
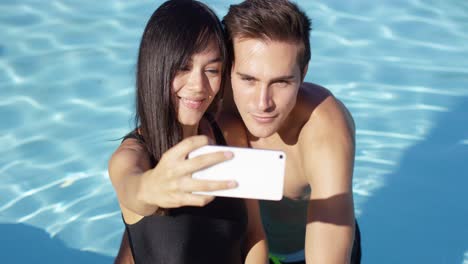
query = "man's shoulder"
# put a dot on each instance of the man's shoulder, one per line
(327, 116)
(313, 94)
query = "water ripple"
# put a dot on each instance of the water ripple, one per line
(20, 99)
(67, 96)
(104, 216)
(387, 134)
(10, 75)
(26, 193)
(342, 40)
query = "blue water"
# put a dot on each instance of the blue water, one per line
(66, 93)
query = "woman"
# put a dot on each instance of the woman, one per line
(181, 66)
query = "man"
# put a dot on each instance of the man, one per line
(314, 223)
(271, 50)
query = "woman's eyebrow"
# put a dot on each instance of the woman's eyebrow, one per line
(217, 59)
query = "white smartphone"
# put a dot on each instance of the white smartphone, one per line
(258, 172)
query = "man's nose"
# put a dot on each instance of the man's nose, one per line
(265, 100)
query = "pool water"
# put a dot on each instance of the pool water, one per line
(67, 96)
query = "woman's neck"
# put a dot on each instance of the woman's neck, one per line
(189, 131)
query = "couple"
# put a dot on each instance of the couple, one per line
(261, 56)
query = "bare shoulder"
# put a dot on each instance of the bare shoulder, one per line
(129, 153)
(328, 146)
(233, 129)
(328, 118)
(312, 94)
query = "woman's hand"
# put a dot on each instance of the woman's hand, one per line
(170, 183)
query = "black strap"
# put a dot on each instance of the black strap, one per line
(216, 130)
(134, 134)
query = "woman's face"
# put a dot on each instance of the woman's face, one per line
(196, 84)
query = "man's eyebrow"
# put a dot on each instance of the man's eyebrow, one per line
(243, 75)
(279, 78)
(283, 78)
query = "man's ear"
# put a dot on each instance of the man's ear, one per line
(304, 72)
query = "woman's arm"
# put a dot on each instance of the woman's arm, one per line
(126, 168)
(142, 189)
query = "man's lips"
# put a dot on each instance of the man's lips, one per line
(263, 118)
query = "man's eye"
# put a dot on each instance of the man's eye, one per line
(281, 83)
(247, 79)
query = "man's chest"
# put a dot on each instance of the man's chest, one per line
(296, 185)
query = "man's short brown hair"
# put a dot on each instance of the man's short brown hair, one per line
(277, 20)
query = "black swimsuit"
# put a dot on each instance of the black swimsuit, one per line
(210, 234)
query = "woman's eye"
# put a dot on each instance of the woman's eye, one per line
(184, 68)
(212, 71)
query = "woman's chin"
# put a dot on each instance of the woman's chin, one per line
(191, 120)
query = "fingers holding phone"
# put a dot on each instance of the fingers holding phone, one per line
(170, 183)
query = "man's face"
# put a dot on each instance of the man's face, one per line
(265, 80)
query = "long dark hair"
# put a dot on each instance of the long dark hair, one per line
(176, 30)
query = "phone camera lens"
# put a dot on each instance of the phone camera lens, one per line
(281, 156)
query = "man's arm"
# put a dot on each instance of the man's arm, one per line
(255, 246)
(329, 159)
